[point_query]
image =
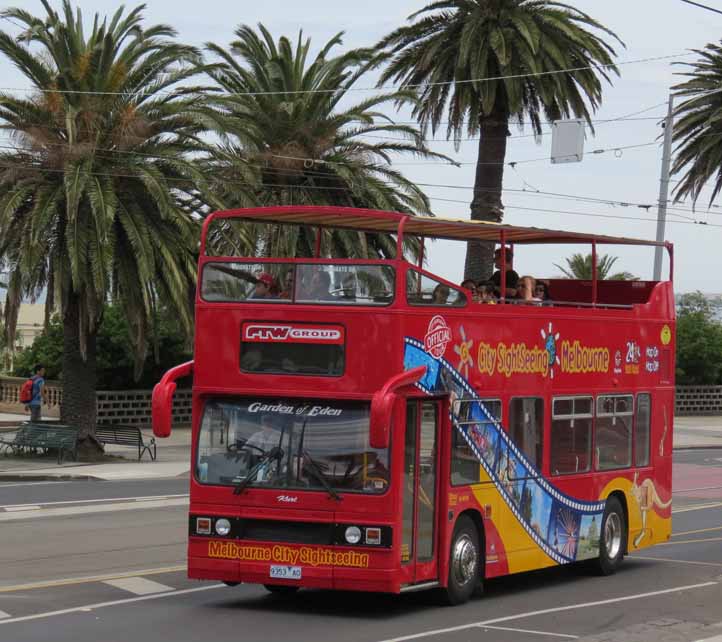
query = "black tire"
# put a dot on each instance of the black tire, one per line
(281, 589)
(612, 538)
(465, 563)
(231, 584)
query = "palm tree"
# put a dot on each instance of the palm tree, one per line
(698, 129)
(288, 135)
(486, 63)
(579, 266)
(90, 195)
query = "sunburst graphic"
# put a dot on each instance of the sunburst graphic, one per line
(550, 345)
(463, 349)
(566, 533)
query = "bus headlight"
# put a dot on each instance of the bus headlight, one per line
(223, 526)
(353, 534)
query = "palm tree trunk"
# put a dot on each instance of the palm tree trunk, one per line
(78, 408)
(486, 204)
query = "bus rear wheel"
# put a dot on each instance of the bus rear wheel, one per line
(612, 538)
(465, 563)
(280, 589)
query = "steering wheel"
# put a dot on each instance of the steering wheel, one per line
(235, 447)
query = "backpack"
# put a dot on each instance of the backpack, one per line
(26, 392)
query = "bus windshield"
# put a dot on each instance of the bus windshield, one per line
(290, 444)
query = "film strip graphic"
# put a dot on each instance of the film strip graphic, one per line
(554, 520)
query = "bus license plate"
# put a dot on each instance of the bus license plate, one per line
(286, 572)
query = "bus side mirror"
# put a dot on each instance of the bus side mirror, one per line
(162, 408)
(382, 407)
(162, 402)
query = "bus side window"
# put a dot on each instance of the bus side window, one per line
(571, 435)
(613, 432)
(641, 429)
(423, 290)
(526, 427)
(465, 465)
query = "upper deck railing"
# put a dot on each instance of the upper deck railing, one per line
(321, 280)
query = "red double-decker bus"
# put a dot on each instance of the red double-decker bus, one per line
(367, 425)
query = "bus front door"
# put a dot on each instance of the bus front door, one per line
(419, 548)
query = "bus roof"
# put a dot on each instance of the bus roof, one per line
(426, 226)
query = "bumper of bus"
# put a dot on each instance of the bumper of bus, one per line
(380, 576)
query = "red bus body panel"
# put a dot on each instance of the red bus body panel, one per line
(492, 352)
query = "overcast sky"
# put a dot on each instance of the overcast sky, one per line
(649, 28)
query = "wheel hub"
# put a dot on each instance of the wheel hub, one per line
(613, 535)
(464, 560)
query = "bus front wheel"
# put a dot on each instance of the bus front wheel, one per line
(612, 538)
(465, 560)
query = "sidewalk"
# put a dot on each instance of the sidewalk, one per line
(173, 460)
(174, 454)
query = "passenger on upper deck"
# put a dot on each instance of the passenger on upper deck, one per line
(287, 290)
(485, 292)
(526, 290)
(541, 291)
(318, 287)
(440, 295)
(470, 285)
(264, 287)
(512, 278)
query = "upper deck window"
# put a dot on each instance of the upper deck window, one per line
(423, 290)
(315, 283)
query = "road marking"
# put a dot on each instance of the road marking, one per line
(90, 501)
(139, 585)
(666, 559)
(690, 490)
(686, 509)
(4, 615)
(506, 628)
(88, 510)
(691, 541)
(20, 508)
(716, 638)
(37, 483)
(101, 605)
(91, 578)
(699, 530)
(557, 609)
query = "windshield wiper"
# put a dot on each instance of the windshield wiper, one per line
(319, 475)
(274, 453)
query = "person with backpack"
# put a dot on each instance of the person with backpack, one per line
(33, 393)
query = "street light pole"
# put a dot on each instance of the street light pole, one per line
(664, 188)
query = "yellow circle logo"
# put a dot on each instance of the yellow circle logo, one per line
(666, 335)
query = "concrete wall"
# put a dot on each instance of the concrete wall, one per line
(131, 407)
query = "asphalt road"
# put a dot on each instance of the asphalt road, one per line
(103, 561)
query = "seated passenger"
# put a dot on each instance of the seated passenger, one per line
(264, 287)
(485, 292)
(287, 291)
(512, 277)
(526, 290)
(470, 285)
(317, 288)
(440, 295)
(541, 292)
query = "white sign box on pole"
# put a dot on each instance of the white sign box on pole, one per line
(567, 141)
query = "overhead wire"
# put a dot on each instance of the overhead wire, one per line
(702, 6)
(358, 89)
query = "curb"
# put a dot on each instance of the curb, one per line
(706, 447)
(48, 477)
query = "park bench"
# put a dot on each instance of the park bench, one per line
(32, 438)
(126, 436)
